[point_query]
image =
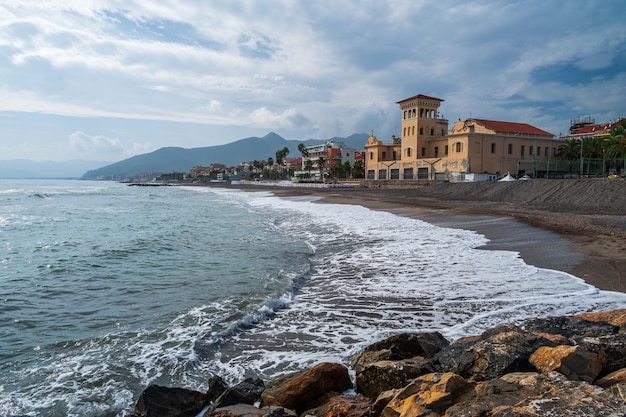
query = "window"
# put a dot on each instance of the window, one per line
(458, 147)
(445, 150)
(394, 155)
(404, 131)
(408, 152)
(384, 154)
(538, 150)
(421, 131)
(436, 151)
(510, 149)
(521, 150)
(371, 155)
(413, 131)
(530, 150)
(370, 174)
(493, 148)
(382, 174)
(432, 132)
(546, 151)
(443, 132)
(423, 152)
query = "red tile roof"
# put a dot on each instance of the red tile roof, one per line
(419, 96)
(596, 128)
(512, 127)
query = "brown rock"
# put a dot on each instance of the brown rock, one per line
(428, 395)
(301, 390)
(382, 401)
(614, 317)
(377, 377)
(247, 410)
(613, 378)
(497, 352)
(574, 362)
(343, 406)
(611, 349)
(533, 394)
(403, 346)
(247, 391)
(169, 402)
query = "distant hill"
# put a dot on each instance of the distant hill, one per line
(172, 159)
(24, 168)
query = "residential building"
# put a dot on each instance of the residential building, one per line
(429, 150)
(331, 153)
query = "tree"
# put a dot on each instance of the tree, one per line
(281, 154)
(303, 150)
(338, 170)
(308, 165)
(358, 171)
(321, 164)
(270, 161)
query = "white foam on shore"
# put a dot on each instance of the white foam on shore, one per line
(376, 273)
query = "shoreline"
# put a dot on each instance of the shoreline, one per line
(590, 247)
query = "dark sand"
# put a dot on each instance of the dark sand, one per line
(587, 245)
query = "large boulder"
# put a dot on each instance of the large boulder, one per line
(574, 362)
(610, 348)
(247, 391)
(496, 352)
(158, 401)
(614, 317)
(570, 327)
(377, 377)
(394, 361)
(534, 394)
(301, 390)
(247, 410)
(403, 346)
(428, 395)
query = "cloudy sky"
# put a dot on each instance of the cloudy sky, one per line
(106, 80)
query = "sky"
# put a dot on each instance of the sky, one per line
(106, 80)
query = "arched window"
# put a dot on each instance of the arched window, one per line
(371, 155)
(458, 147)
(408, 152)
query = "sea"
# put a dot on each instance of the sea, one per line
(106, 289)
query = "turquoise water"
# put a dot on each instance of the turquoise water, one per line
(107, 288)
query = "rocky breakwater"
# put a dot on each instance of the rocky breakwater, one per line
(560, 366)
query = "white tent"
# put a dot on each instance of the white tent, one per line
(525, 177)
(506, 178)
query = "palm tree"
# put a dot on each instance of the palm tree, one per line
(308, 165)
(303, 150)
(569, 151)
(321, 163)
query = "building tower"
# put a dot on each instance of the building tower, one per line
(420, 123)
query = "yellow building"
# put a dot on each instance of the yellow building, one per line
(470, 149)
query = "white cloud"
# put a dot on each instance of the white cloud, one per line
(104, 148)
(324, 68)
(289, 119)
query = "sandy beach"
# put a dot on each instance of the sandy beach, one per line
(575, 226)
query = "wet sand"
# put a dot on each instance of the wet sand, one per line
(591, 247)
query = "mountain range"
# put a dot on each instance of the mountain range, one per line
(25, 168)
(174, 159)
